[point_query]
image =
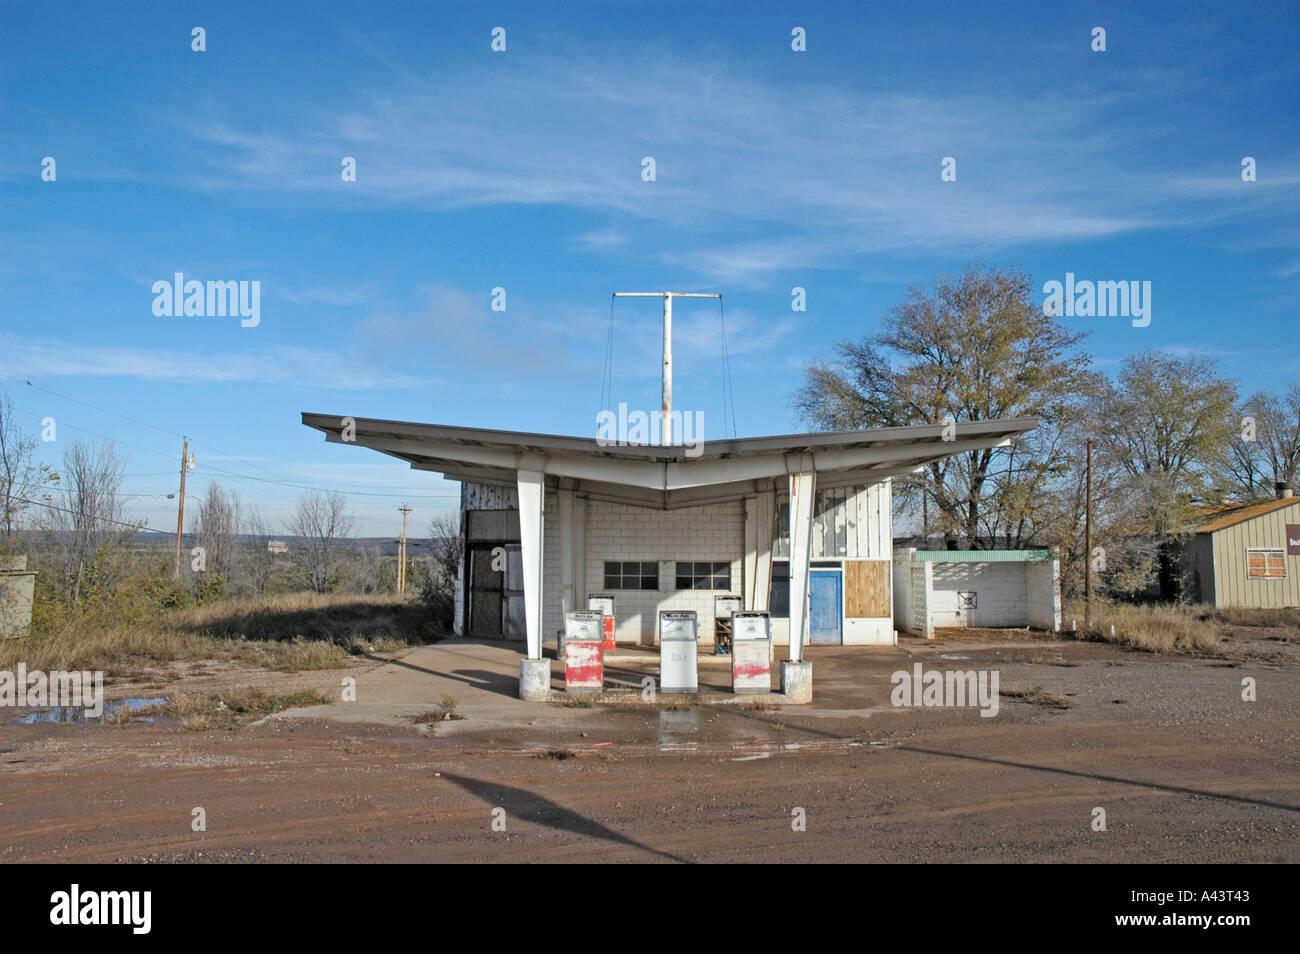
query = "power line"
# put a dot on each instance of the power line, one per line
(350, 493)
(224, 473)
(83, 430)
(138, 527)
(193, 440)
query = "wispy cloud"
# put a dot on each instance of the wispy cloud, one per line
(340, 370)
(811, 175)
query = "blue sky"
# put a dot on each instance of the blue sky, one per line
(522, 169)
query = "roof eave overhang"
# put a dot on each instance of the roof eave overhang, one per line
(668, 478)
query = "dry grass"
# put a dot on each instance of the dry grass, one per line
(357, 623)
(289, 633)
(232, 709)
(1240, 616)
(1152, 629)
(445, 712)
(1037, 696)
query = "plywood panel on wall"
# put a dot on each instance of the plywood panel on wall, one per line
(866, 588)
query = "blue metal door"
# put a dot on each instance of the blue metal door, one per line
(825, 624)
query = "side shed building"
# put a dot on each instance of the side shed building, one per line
(969, 589)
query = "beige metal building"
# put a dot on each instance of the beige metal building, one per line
(1247, 555)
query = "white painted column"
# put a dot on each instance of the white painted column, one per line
(531, 497)
(760, 516)
(802, 491)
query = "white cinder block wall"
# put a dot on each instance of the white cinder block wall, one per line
(1043, 584)
(857, 520)
(999, 594)
(1007, 594)
(615, 532)
(552, 615)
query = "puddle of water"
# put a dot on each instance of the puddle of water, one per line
(756, 750)
(75, 715)
(952, 656)
(675, 725)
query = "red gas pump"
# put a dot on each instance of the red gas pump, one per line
(605, 604)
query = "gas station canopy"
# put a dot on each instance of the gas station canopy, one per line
(667, 477)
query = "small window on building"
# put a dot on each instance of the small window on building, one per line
(620, 575)
(704, 576)
(778, 598)
(1266, 564)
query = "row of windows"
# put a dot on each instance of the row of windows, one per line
(638, 575)
(698, 576)
(1261, 564)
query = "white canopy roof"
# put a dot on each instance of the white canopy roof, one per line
(668, 478)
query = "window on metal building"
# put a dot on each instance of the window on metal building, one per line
(1265, 565)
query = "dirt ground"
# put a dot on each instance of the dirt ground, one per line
(1185, 770)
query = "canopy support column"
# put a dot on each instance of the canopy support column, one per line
(796, 675)
(534, 670)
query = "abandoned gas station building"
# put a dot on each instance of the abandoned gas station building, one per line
(800, 521)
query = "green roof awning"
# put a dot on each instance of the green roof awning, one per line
(983, 556)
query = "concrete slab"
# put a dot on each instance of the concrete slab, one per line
(483, 678)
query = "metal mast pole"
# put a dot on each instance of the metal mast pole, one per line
(666, 423)
(666, 429)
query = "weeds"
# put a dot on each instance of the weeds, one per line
(1037, 696)
(1152, 629)
(445, 712)
(288, 633)
(235, 708)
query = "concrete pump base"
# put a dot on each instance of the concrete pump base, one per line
(534, 680)
(796, 681)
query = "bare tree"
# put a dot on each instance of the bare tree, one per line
(367, 570)
(21, 479)
(1252, 466)
(1163, 424)
(446, 550)
(220, 519)
(258, 561)
(319, 522)
(1162, 429)
(86, 528)
(977, 347)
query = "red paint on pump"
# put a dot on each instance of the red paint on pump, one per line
(584, 665)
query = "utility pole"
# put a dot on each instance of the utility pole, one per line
(401, 552)
(1087, 546)
(666, 427)
(180, 505)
